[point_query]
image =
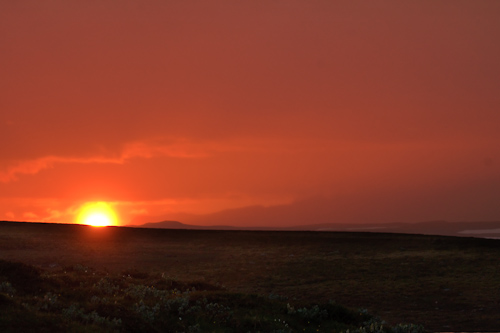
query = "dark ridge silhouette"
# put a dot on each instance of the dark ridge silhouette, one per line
(482, 229)
(179, 225)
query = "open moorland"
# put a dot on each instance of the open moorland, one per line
(78, 278)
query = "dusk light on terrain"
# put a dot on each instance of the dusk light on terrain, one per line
(250, 113)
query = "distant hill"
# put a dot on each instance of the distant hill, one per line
(463, 229)
(179, 225)
(166, 225)
(490, 229)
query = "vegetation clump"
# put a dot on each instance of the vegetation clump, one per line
(81, 299)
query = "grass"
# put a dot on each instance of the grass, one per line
(81, 299)
(443, 283)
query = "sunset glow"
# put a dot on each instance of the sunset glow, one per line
(250, 113)
(98, 214)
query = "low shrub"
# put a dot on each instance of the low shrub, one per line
(135, 302)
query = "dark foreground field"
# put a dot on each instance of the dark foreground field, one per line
(443, 283)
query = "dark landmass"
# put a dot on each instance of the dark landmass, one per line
(81, 299)
(179, 225)
(444, 283)
(487, 229)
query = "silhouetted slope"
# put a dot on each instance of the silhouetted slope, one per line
(465, 229)
(179, 225)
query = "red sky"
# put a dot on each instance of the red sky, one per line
(337, 111)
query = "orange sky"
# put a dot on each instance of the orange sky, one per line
(332, 111)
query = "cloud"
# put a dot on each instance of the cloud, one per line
(174, 148)
(30, 216)
(31, 167)
(179, 148)
(302, 148)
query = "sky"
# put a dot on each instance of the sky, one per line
(291, 112)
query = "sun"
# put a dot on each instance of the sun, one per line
(97, 214)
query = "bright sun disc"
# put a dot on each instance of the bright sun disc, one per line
(97, 214)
